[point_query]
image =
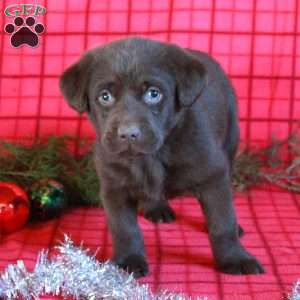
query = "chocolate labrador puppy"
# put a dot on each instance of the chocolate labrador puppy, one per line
(166, 124)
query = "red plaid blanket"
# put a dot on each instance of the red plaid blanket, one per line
(179, 253)
(257, 42)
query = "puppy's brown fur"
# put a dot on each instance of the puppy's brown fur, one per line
(185, 144)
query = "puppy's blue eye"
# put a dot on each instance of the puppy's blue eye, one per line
(152, 95)
(106, 98)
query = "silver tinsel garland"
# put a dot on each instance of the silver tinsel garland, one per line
(73, 273)
(295, 292)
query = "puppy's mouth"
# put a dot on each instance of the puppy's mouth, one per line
(132, 151)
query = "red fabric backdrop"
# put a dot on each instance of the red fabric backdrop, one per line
(257, 43)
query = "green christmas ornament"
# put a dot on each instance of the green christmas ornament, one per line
(48, 199)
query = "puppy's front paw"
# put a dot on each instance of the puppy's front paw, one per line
(161, 214)
(242, 264)
(135, 264)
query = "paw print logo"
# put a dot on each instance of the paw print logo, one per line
(24, 32)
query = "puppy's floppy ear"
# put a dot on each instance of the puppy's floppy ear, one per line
(190, 75)
(73, 83)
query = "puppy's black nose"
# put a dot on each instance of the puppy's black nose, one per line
(129, 132)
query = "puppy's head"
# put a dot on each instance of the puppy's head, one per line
(133, 90)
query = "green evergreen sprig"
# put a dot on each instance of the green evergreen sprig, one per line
(278, 164)
(51, 159)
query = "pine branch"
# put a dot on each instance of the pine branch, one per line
(277, 164)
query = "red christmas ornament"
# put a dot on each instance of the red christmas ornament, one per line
(14, 207)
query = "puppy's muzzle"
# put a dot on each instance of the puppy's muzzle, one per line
(130, 133)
